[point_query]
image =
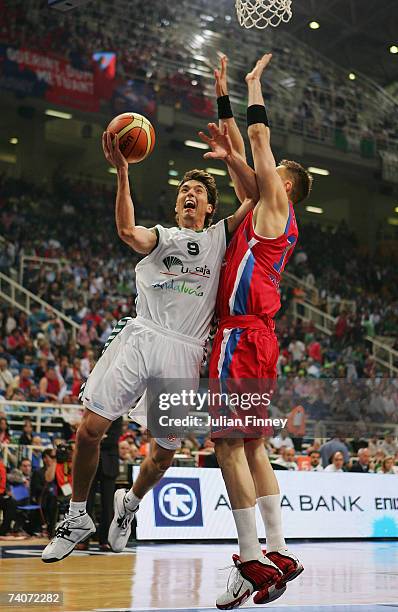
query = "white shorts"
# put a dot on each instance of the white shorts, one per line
(136, 351)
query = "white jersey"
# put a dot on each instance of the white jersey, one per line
(177, 283)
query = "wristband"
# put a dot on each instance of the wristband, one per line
(224, 108)
(256, 114)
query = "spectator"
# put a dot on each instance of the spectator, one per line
(297, 350)
(125, 452)
(328, 449)
(387, 466)
(362, 466)
(36, 453)
(282, 440)
(337, 462)
(287, 459)
(27, 433)
(315, 462)
(8, 505)
(51, 384)
(6, 376)
(296, 423)
(5, 437)
(22, 474)
(389, 446)
(44, 489)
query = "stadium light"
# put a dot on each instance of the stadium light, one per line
(321, 171)
(173, 182)
(196, 144)
(59, 114)
(394, 49)
(314, 209)
(14, 141)
(392, 221)
(112, 170)
(216, 171)
(173, 173)
(314, 25)
(396, 209)
(352, 76)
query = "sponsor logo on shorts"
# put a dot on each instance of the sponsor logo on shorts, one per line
(178, 503)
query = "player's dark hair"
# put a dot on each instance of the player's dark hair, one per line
(209, 183)
(302, 180)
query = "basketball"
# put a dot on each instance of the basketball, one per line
(136, 136)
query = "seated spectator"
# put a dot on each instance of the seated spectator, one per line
(5, 436)
(36, 453)
(337, 463)
(125, 455)
(387, 466)
(363, 465)
(21, 382)
(282, 439)
(315, 462)
(287, 459)
(389, 446)
(22, 475)
(329, 449)
(6, 376)
(43, 489)
(51, 384)
(27, 433)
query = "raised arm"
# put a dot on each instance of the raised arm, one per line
(242, 190)
(272, 211)
(140, 239)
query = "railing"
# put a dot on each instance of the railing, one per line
(383, 354)
(310, 291)
(19, 297)
(322, 321)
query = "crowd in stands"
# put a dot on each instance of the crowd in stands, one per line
(169, 60)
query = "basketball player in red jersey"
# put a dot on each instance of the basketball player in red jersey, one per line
(245, 346)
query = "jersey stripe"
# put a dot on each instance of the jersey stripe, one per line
(228, 346)
(240, 293)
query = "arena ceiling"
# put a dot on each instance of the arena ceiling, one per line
(356, 34)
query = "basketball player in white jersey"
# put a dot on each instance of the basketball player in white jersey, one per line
(177, 283)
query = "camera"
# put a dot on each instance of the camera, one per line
(63, 453)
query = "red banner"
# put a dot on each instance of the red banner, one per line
(60, 82)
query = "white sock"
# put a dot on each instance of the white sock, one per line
(245, 521)
(270, 508)
(77, 508)
(131, 499)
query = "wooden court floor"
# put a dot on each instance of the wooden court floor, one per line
(338, 577)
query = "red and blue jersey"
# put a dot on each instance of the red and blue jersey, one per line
(252, 269)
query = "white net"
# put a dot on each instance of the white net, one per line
(263, 13)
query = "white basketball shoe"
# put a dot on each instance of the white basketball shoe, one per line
(120, 529)
(71, 531)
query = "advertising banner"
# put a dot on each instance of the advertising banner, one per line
(38, 74)
(192, 503)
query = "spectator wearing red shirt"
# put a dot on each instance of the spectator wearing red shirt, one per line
(4, 431)
(314, 351)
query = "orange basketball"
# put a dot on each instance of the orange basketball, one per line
(136, 136)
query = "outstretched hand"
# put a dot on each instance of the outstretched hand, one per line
(219, 141)
(112, 152)
(220, 74)
(259, 68)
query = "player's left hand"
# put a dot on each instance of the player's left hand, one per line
(259, 68)
(220, 75)
(219, 141)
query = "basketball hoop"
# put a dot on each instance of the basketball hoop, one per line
(263, 13)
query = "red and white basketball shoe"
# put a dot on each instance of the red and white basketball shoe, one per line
(290, 566)
(249, 576)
